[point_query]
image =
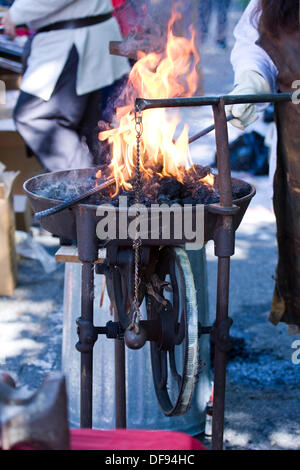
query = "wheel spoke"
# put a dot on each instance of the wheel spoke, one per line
(118, 295)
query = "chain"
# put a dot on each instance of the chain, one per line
(137, 241)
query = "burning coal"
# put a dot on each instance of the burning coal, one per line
(198, 186)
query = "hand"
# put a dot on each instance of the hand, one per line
(9, 25)
(249, 83)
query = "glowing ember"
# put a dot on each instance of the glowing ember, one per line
(209, 179)
(168, 75)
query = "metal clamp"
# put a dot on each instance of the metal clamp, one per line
(220, 210)
(87, 334)
(113, 330)
(220, 335)
(224, 242)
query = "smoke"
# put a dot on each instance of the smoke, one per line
(157, 13)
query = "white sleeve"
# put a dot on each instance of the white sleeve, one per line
(246, 54)
(25, 11)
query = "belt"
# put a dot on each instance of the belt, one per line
(76, 23)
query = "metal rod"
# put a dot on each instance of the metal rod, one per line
(222, 249)
(86, 380)
(208, 130)
(223, 155)
(120, 381)
(120, 384)
(220, 356)
(130, 48)
(142, 104)
(73, 202)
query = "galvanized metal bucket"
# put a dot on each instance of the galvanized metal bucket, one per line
(143, 411)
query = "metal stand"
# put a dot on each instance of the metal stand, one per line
(88, 333)
(120, 383)
(224, 248)
(88, 254)
(224, 238)
(87, 310)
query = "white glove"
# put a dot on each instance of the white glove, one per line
(249, 83)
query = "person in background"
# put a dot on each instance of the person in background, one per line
(67, 71)
(266, 59)
(205, 12)
(127, 16)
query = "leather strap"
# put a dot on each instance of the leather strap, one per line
(76, 23)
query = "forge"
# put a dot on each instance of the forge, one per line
(158, 272)
(49, 190)
(197, 186)
(149, 166)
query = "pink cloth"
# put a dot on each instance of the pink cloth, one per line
(128, 18)
(87, 439)
(118, 3)
(91, 439)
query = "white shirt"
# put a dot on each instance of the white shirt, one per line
(246, 54)
(50, 50)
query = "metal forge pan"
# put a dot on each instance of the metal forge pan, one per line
(64, 224)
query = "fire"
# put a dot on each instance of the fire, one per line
(156, 75)
(209, 179)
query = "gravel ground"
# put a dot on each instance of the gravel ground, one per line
(262, 409)
(262, 395)
(31, 320)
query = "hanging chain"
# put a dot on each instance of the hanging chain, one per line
(137, 241)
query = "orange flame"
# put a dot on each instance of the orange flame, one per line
(209, 179)
(156, 75)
